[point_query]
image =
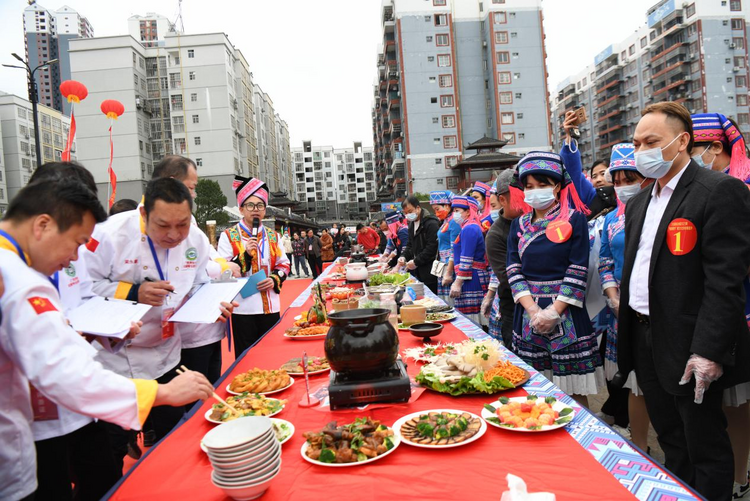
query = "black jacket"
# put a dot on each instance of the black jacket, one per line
(422, 247)
(696, 300)
(496, 244)
(604, 201)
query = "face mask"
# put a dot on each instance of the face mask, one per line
(334, 231)
(699, 160)
(412, 216)
(495, 215)
(651, 163)
(625, 193)
(457, 217)
(540, 198)
(441, 213)
(388, 234)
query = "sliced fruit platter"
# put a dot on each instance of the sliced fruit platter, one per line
(528, 414)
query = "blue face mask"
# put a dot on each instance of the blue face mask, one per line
(699, 160)
(495, 215)
(651, 163)
(411, 216)
(539, 198)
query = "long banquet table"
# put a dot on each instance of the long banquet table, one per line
(586, 460)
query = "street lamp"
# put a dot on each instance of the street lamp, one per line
(33, 97)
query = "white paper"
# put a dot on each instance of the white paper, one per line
(106, 317)
(204, 305)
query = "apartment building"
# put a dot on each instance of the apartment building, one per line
(47, 36)
(150, 29)
(284, 181)
(334, 184)
(450, 73)
(189, 95)
(693, 52)
(18, 149)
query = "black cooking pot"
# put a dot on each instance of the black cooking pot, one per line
(358, 257)
(361, 341)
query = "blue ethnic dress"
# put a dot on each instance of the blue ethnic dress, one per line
(447, 234)
(549, 271)
(495, 322)
(471, 265)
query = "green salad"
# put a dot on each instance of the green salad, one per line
(464, 386)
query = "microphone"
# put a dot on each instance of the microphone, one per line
(256, 226)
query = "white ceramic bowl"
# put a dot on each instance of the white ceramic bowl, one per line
(238, 432)
(250, 468)
(242, 449)
(248, 475)
(252, 481)
(258, 451)
(247, 461)
(244, 492)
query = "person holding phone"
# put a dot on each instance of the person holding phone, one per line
(255, 248)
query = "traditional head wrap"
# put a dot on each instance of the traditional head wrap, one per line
(551, 165)
(470, 204)
(622, 159)
(709, 127)
(493, 188)
(484, 190)
(441, 197)
(245, 187)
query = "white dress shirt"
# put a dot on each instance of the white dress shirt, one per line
(642, 265)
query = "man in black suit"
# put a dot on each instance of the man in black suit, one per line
(682, 325)
(421, 249)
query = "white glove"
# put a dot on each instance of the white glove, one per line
(401, 261)
(486, 308)
(456, 289)
(447, 279)
(705, 371)
(411, 266)
(614, 305)
(546, 320)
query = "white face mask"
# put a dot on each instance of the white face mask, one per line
(412, 216)
(626, 192)
(458, 217)
(388, 234)
(651, 163)
(495, 215)
(539, 198)
(699, 160)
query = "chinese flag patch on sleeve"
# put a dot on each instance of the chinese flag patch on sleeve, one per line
(92, 244)
(41, 305)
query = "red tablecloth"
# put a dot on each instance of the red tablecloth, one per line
(552, 461)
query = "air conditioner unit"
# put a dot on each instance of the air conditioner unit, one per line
(484, 44)
(732, 46)
(693, 55)
(736, 69)
(629, 106)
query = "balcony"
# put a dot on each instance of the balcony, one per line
(666, 48)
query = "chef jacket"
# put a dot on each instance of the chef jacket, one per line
(38, 347)
(119, 256)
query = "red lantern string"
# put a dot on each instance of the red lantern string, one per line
(112, 109)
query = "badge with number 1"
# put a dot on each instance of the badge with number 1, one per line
(559, 231)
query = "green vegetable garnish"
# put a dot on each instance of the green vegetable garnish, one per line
(485, 356)
(425, 429)
(424, 416)
(327, 456)
(564, 420)
(503, 400)
(490, 408)
(361, 457)
(494, 420)
(566, 411)
(532, 397)
(455, 430)
(382, 427)
(462, 423)
(388, 443)
(550, 400)
(443, 432)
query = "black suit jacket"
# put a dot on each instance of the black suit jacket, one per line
(696, 300)
(422, 247)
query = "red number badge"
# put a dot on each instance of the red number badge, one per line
(681, 236)
(559, 231)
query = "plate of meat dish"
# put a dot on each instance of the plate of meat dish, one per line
(363, 441)
(440, 428)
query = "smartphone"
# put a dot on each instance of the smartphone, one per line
(580, 115)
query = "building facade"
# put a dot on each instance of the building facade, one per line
(47, 36)
(150, 30)
(18, 150)
(191, 95)
(694, 53)
(334, 184)
(451, 72)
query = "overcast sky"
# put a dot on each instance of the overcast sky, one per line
(317, 59)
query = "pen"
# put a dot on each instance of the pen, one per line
(148, 279)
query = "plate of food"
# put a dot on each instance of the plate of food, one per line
(433, 305)
(306, 333)
(260, 381)
(529, 414)
(284, 430)
(247, 404)
(361, 442)
(430, 352)
(477, 367)
(440, 317)
(440, 428)
(315, 365)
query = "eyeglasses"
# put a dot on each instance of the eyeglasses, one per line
(251, 206)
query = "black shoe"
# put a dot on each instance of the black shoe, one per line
(133, 450)
(149, 438)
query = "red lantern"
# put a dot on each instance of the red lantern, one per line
(74, 91)
(112, 108)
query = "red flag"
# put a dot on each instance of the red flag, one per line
(41, 305)
(112, 176)
(71, 136)
(92, 244)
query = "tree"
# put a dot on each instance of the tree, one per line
(422, 197)
(210, 203)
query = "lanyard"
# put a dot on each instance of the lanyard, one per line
(55, 279)
(15, 244)
(261, 242)
(156, 259)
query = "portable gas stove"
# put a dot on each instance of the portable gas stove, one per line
(351, 389)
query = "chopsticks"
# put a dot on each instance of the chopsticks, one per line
(217, 397)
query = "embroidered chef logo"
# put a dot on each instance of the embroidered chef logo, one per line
(191, 254)
(559, 231)
(70, 270)
(681, 236)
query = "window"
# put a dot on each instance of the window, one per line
(740, 81)
(430, 59)
(500, 18)
(498, 1)
(195, 119)
(438, 161)
(506, 118)
(442, 40)
(690, 10)
(451, 182)
(643, 42)
(446, 81)
(435, 120)
(438, 3)
(428, 38)
(504, 77)
(741, 100)
(510, 137)
(446, 101)
(441, 20)
(506, 98)
(449, 142)
(191, 53)
(433, 100)
(518, 95)
(631, 50)
(191, 75)
(193, 98)
(199, 162)
(197, 140)
(739, 62)
(444, 60)
(519, 116)
(501, 37)
(433, 79)
(735, 5)
(692, 29)
(135, 80)
(503, 57)
(738, 24)
(738, 42)
(449, 121)
(743, 118)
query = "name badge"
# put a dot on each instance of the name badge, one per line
(44, 409)
(167, 327)
(682, 236)
(559, 231)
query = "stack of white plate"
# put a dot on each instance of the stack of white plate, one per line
(418, 288)
(245, 455)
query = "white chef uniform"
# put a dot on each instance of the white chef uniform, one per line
(37, 346)
(118, 256)
(197, 335)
